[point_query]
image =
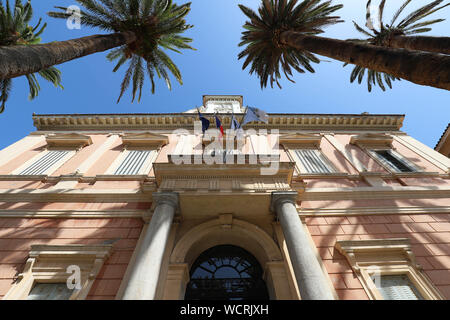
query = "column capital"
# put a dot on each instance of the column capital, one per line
(170, 198)
(280, 197)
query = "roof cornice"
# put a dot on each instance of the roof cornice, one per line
(102, 122)
(443, 139)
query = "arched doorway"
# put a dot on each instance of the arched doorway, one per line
(226, 272)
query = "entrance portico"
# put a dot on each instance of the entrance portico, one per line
(222, 205)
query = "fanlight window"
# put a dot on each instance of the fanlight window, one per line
(226, 273)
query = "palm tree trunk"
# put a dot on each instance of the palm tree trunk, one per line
(421, 43)
(20, 60)
(423, 68)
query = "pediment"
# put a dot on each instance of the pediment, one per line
(372, 139)
(301, 138)
(144, 139)
(75, 140)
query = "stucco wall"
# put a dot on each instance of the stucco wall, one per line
(17, 235)
(429, 235)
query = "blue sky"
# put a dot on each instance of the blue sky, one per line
(92, 87)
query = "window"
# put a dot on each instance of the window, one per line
(45, 163)
(387, 269)
(396, 287)
(50, 291)
(313, 161)
(394, 161)
(50, 267)
(226, 272)
(133, 162)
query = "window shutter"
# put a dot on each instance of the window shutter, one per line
(313, 161)
(397, 287)
(50, 291)
(45, 162)
(133, 162)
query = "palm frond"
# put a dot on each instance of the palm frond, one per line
(266, 56)
(409, 25)
(15, 30)
(157, 24)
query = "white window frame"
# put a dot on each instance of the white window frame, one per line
(50, 170)
(146, 166)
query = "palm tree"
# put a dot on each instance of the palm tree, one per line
(139, 28)
(283, 34)
(402, 34)
(15, 30)
(399, 36)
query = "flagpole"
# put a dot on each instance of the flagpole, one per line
(242, 120)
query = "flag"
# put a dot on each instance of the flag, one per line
(234, 123)
(205, 122)
(254, 114)
(236, 126)
(219, 124)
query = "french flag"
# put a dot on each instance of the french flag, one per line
(219, 125)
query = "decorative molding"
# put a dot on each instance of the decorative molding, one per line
(370, 139)
(278, 198)
(68, 140)
(221, 177)
(48, 263)
(360, 211)
(172, 183)
(371, 251)
(144, 139)
(169, 198)
(64, 214)
(312, 140)
(182, 120)
(82, 195)
(319, 212)
(385, 257)
(238, 227)
(371, 193)
(226, 220)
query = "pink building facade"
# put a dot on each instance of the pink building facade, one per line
(132, 206)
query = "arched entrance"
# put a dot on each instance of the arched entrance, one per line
(226, 272)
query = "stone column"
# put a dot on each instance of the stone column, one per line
(310, 278)
(145, 273)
